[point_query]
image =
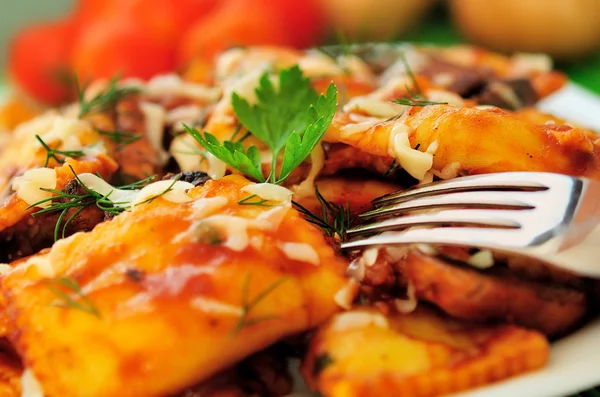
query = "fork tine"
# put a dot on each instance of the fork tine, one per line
(478, 218)
(485, 238)
(473, 200)
(500, 181)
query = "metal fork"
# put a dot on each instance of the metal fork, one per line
(551, 217)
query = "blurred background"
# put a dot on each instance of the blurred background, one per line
(44, 40)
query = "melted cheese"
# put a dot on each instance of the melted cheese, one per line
(415, 162)
(408, 305)
(29, 185)
(269, 191)
(155, 118)
(358, 319)
(172, 85)
(216, 168)
(345, 296)
(302, 252)
(317, 162)
(356, 269)
(206, 206)
(374, 106)
(30, 385)
(177, 191)
(483, 259)
(362, 124)
(208, 305)
(451, 98)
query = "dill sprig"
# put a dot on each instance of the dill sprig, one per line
(80, 302)
(103, 101)
(63, 202)
(415, 95)
(249, 304)
(259, 201)
(120, 138)
(53, 153)
(335, 219)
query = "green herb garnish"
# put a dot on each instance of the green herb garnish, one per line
(63, 202)
(290, 120)
(249, 304)
(322, 361)
(80, 302)
(121, 138)
(103, 101)
(415, 95)
(54, 153)
(259, 201)
(335, 219)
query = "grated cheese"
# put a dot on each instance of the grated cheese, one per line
(450, 171)
(30, 385)
(358, 128)
(130, 198)
(374, 106)
(208, 305)
(205, 206)
(317, 162)
(155, 118)
(415, 162)
(172, 85)
(269, 191)
(29, 185)
(482, 259)
(452, 98)
(302, 252)
(408, 305)
(177, 192)
(345, 296)
(5, 268)
(356, 269)
(358, 319)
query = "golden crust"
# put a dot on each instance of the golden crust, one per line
(482, 141)
(169, 302)
(422, 354)
(10, 375)
(481, 296)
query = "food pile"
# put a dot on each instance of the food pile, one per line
(180, 235)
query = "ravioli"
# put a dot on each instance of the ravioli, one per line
(170, 294)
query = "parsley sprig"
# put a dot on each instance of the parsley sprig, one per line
(289, 120)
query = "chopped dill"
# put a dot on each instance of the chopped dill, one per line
(80, 302)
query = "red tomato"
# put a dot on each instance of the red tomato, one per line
(167, 20)
(38, 57)
(238, 22)
(120, 46)
(304, 21)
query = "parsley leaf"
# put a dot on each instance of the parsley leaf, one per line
(293, 117)
(232, 153)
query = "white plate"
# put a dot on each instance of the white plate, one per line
(574, 360)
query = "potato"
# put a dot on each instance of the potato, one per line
(374, 20)
(564, 29)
